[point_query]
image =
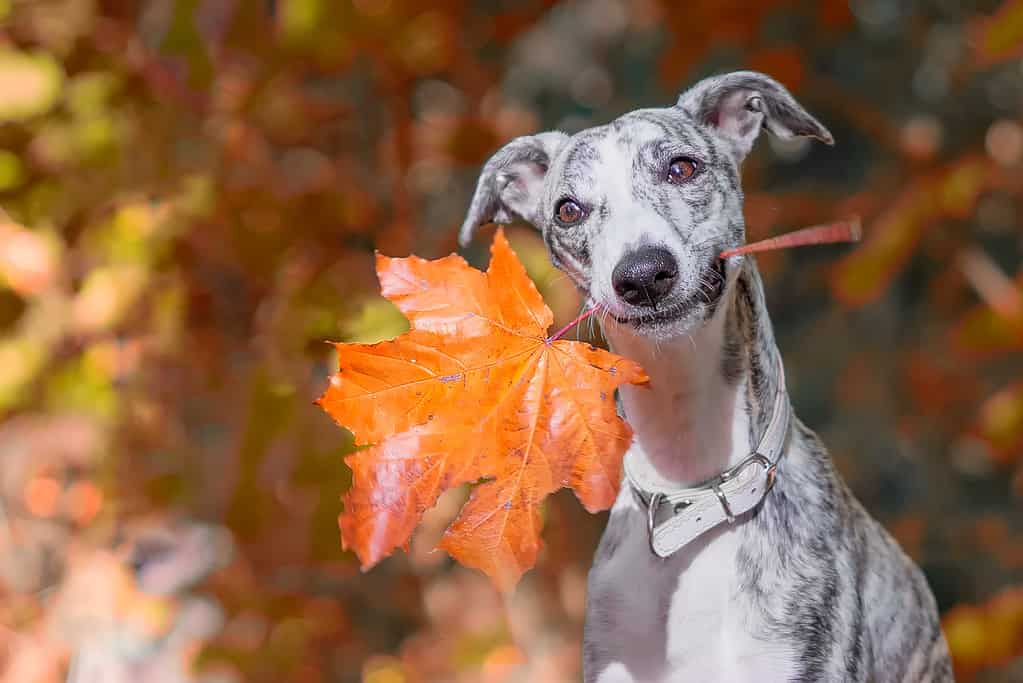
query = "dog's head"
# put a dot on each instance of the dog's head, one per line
(637, 211)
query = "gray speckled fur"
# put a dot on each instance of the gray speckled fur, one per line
(825, 583)
(822, 574)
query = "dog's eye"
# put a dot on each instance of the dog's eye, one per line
(682, 169)
(568, 212)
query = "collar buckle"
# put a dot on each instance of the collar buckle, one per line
(757, 458)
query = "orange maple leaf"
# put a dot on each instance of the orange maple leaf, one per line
(475, 390)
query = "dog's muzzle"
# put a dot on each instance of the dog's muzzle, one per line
(657, 305)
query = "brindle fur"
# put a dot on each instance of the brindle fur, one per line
(806, 587)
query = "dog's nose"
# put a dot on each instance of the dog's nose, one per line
(645, 276)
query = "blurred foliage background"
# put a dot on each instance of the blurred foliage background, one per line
(190, 195)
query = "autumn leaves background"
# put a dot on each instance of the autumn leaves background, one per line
(193, 191)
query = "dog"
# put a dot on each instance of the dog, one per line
(734, 551)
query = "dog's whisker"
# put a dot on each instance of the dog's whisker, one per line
(557, 279)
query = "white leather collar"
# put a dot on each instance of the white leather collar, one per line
(675, 517)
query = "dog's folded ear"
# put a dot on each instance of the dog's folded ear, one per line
(738, 104)
(511, 182)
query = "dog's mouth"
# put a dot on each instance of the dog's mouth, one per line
(711, 287)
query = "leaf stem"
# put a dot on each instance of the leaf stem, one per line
(578, 319)
(841, 231)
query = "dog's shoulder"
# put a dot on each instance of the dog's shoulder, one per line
(860, 608)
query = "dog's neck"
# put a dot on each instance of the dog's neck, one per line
(710, 394)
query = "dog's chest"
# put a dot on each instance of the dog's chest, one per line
(694, 613)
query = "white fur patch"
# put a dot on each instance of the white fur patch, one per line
(689, 611)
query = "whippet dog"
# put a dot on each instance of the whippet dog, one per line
(734, 551)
